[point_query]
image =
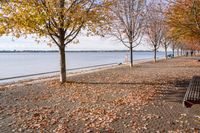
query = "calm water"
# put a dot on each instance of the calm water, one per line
(25, 63)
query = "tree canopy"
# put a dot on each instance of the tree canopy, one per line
(128, 23)
(59, 20)
(51, 17)
(183, 18)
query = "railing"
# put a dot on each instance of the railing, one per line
(70, 70)
(54, 72)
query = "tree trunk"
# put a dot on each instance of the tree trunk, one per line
(166, 52)
(177, 52)
(155, 52)
(62, 64)
(131, 56)
(62, 42)
(173, 50)
(181, 52)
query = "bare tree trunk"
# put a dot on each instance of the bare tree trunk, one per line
(181, 51)
(166, 52)
(178, 52)
(62, 64)
(155, 52)
(62, 44)
(131, 55)
(173, 50)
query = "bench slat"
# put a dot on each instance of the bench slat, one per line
(192, 95)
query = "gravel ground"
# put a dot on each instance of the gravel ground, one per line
(145, 98)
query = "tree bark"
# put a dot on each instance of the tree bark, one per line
(173, 50)
(181, 51)
(178, 52)
(131, 55)
(155, 52)
(62, 64)
(62, 43)
(166, 52)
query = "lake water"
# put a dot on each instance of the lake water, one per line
(25, 63)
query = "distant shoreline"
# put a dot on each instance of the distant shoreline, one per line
(52, 51)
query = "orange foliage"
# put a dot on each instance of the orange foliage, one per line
(183, 18)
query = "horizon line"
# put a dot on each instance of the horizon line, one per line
(75, 51)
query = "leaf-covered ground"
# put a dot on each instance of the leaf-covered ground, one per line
(146, 98)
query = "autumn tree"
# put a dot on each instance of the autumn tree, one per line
(190, 44)
(183, 20)
(154, 24)
(128, 23)
(172, 45)
(59, 20)
(166, 40)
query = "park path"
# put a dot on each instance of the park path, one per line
(145, 98)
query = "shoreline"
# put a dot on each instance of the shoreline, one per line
(55, 76)
(47, 77)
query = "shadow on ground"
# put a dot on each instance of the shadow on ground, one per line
(119, 83)
(174, 93)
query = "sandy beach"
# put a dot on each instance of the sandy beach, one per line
(145, 98)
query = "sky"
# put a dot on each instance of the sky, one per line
(85, 43)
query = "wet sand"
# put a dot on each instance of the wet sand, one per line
(145, 98)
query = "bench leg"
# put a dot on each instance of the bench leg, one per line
(187, 104)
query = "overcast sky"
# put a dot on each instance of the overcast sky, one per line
(85, 43)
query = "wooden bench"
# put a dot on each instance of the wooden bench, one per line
(192, 95)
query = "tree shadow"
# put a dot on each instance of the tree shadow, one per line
(176, 92)
(117, 83)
